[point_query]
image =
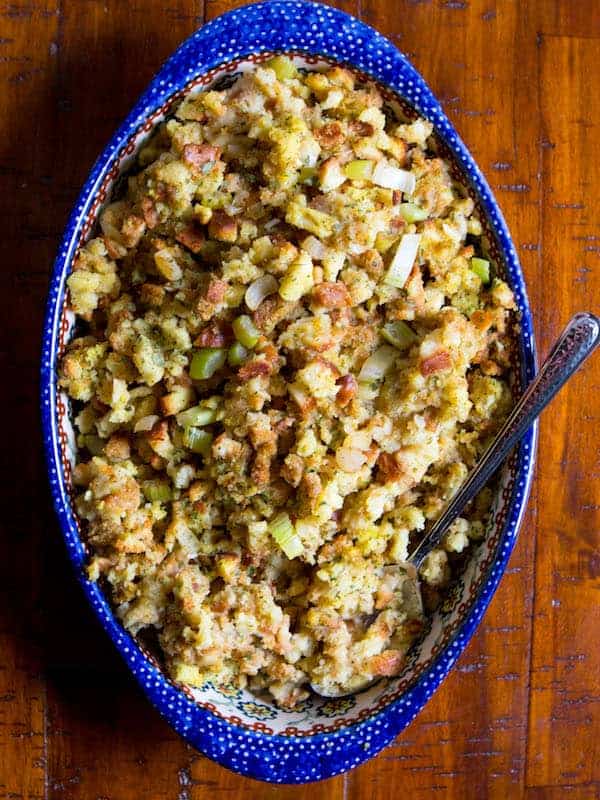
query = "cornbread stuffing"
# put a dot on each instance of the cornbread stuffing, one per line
(294, 350)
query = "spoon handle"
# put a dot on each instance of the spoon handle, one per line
(575, 344)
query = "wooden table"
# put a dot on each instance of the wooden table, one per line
(520, 715)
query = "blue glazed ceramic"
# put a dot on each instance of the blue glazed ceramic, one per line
(322, 737)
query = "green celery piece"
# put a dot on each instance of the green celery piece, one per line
(206, 362)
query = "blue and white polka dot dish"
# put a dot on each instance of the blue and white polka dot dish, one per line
(322, 737)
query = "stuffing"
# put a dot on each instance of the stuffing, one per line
(292, 349)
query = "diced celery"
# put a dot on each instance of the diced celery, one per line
(411, 212)
(206, 362)
(307, 174)
(481, 268)
(245, 331)
(359, 170)
(237, 354)
(156, 491)
(399, 334)
(196, 416)
(282, 530)
(282, 66)
(198, 440)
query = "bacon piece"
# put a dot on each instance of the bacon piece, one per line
(191, 237)
(254, 368)
(212, 297)
(435, 363)
(348, 388)
(216, 290)
(331, 295)
(195, 155)
(150, 213)
(217, 334)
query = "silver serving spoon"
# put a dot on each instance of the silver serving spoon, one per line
(575, 344)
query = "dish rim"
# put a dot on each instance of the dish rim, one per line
(379, 58)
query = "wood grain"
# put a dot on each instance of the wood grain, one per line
(520, 715)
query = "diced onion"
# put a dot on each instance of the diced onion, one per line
(314, 247)
(359, 440)
(393, 178)
(349, 459)
(333, 99)
(145, 423)
(282, 530)
(380, 362)
(403, 260)
(259, 289)
(272, 223)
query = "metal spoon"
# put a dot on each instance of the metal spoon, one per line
(575, 344)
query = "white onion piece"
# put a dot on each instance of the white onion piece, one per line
(315, 248)
(145, 423)
(358, 440)
(349, 460)
(333, 99)
(403, 261)
(377, 364)
(393, 178)
(272, 223)
(259, 289)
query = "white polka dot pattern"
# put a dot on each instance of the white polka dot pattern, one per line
(235, 729)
